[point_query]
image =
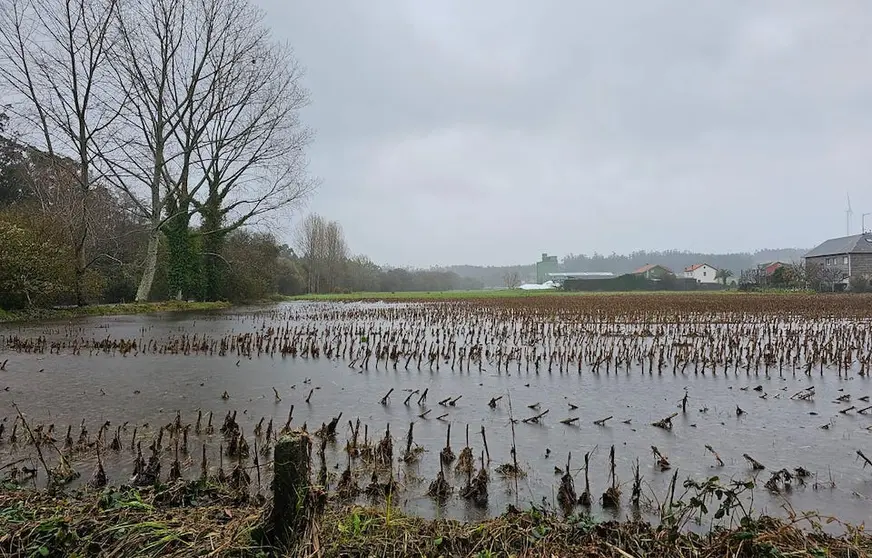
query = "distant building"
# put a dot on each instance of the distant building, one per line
(702, 273)
(846, 257)
(769, 268)
(654, 272)
(560, 277)
(545, 267)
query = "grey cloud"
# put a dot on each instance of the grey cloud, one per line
(487, 132)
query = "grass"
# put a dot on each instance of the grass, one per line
(130, 308)
(128, 522)
(416, 296)
(201, 519)
(360, 531)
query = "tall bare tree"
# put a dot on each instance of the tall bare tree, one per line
(324, 253)
(512, 279)
(335, 255)
(310, 244)
(165, 57)
(150, 70)
(252, 155)
(53, 55)
(214, 105)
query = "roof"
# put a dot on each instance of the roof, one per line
(773, 267)
(648, 267)
(582, 275)
(694, 267)
(855, 244)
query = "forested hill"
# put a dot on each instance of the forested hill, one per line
(493, 276)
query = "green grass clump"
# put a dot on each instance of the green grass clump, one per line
(129, 522)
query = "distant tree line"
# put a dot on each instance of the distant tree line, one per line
(324, 261)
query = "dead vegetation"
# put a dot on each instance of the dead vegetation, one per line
(535, 533)
(199, 519)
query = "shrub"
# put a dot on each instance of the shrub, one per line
(33, 269)
(859, 284)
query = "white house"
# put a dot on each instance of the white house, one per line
(703, 273)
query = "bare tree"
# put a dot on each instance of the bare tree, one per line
(168, 58)
(512, 279)
(150, 69)
(252, 155)
(754, 277)
(335, 254)
(309, 242)
(324, 253)
(213, 110)
(825, 277)
(54, 59)
(799, 274)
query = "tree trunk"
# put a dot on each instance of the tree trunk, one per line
(144, 290)
(81, 259)
(182, 270)
(214, 269)
(213, 272)
(80, 282)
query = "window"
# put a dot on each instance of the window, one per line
(703, 273)
(845, 260)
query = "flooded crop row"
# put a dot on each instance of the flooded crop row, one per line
(612, 404)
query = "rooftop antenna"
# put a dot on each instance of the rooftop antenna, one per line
(848, 214)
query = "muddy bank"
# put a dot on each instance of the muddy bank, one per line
(133, 308)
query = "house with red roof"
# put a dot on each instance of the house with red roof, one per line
(702, 273)
(654, 272)
(770, 268)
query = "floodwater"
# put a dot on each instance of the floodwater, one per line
(780, 432)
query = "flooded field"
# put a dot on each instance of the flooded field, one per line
(744, 388)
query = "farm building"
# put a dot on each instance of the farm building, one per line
(560, 277)
(847, 256)
(769, 268)
(654, 272)
(545, 267)
(701, 272)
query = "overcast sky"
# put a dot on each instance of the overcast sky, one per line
(487, 132)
